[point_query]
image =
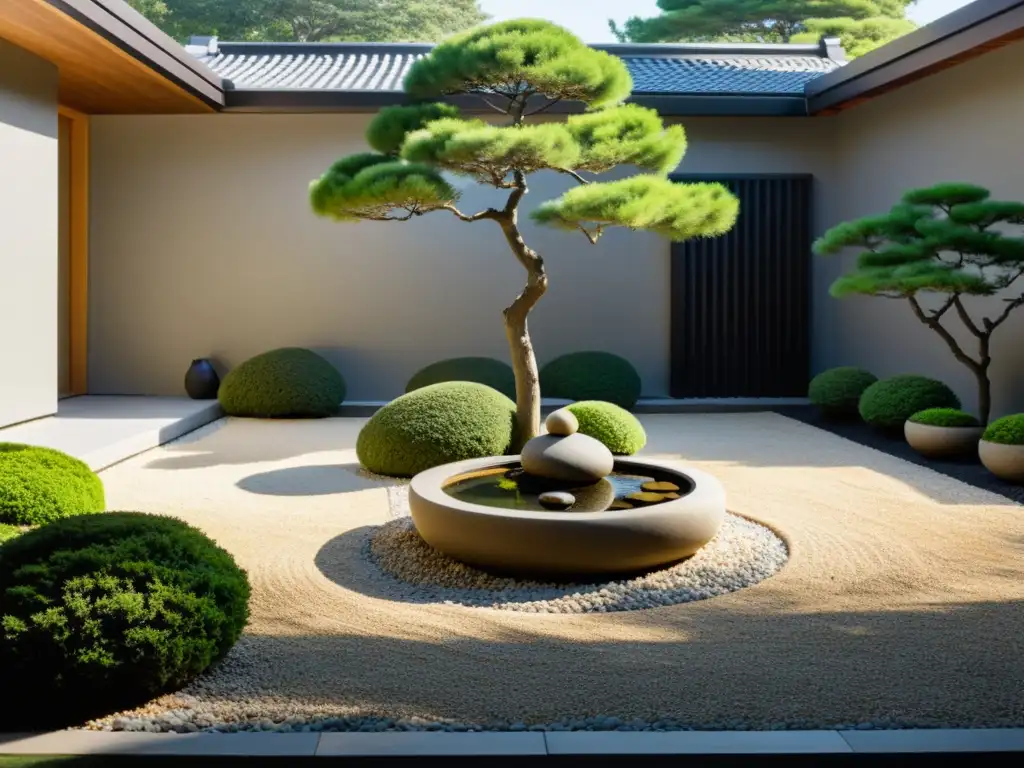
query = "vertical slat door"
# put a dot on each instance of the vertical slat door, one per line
(741, 309)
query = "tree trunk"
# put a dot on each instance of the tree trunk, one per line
(524, 362)
(984, 394)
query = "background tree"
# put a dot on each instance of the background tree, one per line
(862, 24)
(522, 68)
(313, 20)
(949, 240)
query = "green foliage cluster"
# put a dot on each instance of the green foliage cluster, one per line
(8, 532)
(483, 370)
(521, 54)
(626, 135)
(38, 485)
(619, 430)
(435, 425)
(888, 403)
(837, 391)
(944, 417)
(1009, 430)
(591, 375)
(861, 25)
(312, 20)
(285, 383)
(110, 610)
(651, 203)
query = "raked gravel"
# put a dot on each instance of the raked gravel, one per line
(741, 555)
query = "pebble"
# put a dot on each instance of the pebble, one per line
(556, 500)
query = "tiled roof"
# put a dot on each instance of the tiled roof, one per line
(656, 69)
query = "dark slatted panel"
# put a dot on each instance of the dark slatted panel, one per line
(741, 302)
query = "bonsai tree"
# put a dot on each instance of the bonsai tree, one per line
(520, 69)
(949, 240)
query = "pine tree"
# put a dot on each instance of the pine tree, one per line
(522, 68)
(861, 24)
(950, 240)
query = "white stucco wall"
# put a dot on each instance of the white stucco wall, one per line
(203, 244)
(962, 124)
(28, 236)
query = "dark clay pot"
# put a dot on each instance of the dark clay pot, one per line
(201, 380)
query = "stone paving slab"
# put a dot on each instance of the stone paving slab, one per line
(696, 742)
(435, 744)
(937, 740)
(120, 743)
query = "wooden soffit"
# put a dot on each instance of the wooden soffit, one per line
(111, 60)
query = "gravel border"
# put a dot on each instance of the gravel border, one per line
(741, 555)
(969, 470)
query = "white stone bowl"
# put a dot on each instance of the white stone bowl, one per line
(941, 442)
(566, 543)
(1004, 461)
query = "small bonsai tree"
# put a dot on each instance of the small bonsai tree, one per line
(949, 240)
(520, 69)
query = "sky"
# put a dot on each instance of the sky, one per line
(589, 18)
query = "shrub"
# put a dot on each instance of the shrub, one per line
(482, 370)
(837, 391)
(8, 532)
(944, 417)
(110, 610)
(39, 484)
(616, 427)
(436, 425)
(888, 403)
(1008, 430)
(592, 376)
(284, 383)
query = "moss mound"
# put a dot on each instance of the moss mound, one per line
(482, 370)
(286, 383)
(617, 428)
(1008, 430)
(436, 425)
(38, 485)
(944, 417)
(837, 391)
(110, 610)
(8, 532)
(888, 403)
(592, 376)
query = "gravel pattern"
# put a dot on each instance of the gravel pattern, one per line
(900, 604)
(741, 555)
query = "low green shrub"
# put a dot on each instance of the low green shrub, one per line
(944, 417)
(620, 431)
(109, 610)
(39, 484)
(1009, 430)
(482, 370)
(591, 376)
(436, 425)
(888, 403)
(285, 383)
(837, 391)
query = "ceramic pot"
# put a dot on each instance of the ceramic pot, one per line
(942, 442)
(201, 380)
(1004, 461)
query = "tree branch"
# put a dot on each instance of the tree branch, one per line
(965, 318)
(932, 321)
(518, 192)
(572, 173)
(1011, 305)
(493, 106)
(490, 213)
(545, 108)
(594, 236)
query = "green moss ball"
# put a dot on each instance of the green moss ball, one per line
(436, 425)
(1009, 430)
(944, 417)
(888, 403)
(482, 370)
(620, 431)
(591, 376)
(105, 611)
(287, 383)
(39, 484)
(837, 391)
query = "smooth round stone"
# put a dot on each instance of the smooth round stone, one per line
(556, 500)
(562, 422)
(574, 458)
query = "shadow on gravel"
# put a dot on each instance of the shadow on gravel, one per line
(314, 480)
